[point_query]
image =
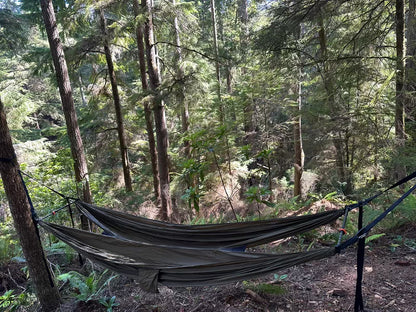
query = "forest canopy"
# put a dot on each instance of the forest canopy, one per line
(187, 104)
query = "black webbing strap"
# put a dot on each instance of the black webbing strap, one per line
(35, 221)
(55, 211)
(70, 212)
(7, 160)
(32, 209)
(363, 231)
(359, 302)
(367, 200)
(44, 185)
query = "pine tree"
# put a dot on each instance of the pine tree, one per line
(65, 91)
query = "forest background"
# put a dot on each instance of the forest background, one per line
(182, 106)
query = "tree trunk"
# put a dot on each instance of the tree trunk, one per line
(65, 91)
(400, 170)
(146, 105)
(249, 109)
(297, 132)
(297, 129)
(28, 234)
(243, 16)
(159, 113)
(410, 72)
(117, 105)
(331, 100)
(399, 116)
(180, 93)
(217, 62)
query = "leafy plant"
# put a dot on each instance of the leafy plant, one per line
(256, 194)
(374, 237)
(86, 288)
(263, 288)
(10, 302)
(9, 246)
(279, 278)
(109, 303)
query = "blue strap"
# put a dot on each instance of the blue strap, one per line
(363, 231)
(367, 200)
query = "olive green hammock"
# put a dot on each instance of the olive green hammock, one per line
(230, 236)
(173, 265)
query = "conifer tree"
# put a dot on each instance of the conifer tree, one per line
(24, 223)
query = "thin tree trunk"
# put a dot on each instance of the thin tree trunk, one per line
(399, 116)
(117, 105)
(146, 105)
(217, 62)
(410, 72)
(28, 234)
(331, 101)
(81, 91)
(249, 103)
(159, 113)
(65, 91)
(400, 170)
(297, 130)
(180, 94)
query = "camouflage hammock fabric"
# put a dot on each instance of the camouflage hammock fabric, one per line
(177, 266)
(230, 236)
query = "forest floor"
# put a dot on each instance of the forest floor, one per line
(389, 284)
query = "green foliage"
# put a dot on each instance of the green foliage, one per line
(10, 302)
(86, 288)
(373, 237)
(263, 288)
(400, 241)
(9, 246)
(60, 248)
(279, 278)
(192, 197)
(109, 303)
(257, 194)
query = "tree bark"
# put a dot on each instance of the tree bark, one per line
(180, 93)
(399, 116)
(146, 105)
(28, 234)
(400, 170)
(297, 132)
(117, 105)
(217, 62)
(331, 100)
(249, 109)
(297, 129)
(159, 113)
(65, 91)
(410, 72)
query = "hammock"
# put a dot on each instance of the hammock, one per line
(230, 236)
(152, 264)
(177, 266)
